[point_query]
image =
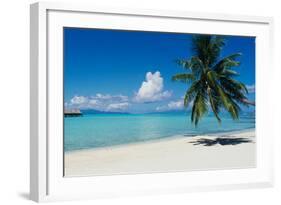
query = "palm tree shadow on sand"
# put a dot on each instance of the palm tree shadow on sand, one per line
(221, 141)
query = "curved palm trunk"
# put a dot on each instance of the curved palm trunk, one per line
(249, 102)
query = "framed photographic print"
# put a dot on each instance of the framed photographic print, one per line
(129, 102)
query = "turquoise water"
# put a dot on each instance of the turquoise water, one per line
(100, 130)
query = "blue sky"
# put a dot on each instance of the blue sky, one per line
(113, 70)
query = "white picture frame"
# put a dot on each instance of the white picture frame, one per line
(46, 174)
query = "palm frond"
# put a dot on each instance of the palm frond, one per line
(229, 73)
(199, 108)
(195, 65)
(215, 48)
(183, 77)
(214, 104)
(207, 48)
(233, 86)
(228, 103)
(227, 62)
(191, 92)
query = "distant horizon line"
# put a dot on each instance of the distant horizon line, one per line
(94, 111)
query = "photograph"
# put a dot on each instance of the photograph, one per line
(140, 102)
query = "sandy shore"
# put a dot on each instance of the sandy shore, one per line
(180, 153)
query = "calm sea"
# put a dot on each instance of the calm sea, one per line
(100, 130)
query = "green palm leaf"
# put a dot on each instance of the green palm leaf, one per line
(199, 108)
(191, 92)
(183, 77)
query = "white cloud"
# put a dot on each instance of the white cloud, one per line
(117, 106)
(94, 102)
(100, 96)
(251, 88)
(78, 100)
(102, 102)
(173, 105)
(151, 89)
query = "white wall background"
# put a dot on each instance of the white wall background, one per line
(14, 101)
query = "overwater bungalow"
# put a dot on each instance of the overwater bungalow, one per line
(73, 113)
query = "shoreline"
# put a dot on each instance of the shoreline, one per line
(171, 154)
(214, 134)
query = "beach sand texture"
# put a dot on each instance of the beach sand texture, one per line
(224, 151)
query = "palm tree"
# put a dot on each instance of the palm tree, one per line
(211, 80)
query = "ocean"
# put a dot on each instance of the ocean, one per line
(102, 130)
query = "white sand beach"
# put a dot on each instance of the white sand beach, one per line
(179, 153)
